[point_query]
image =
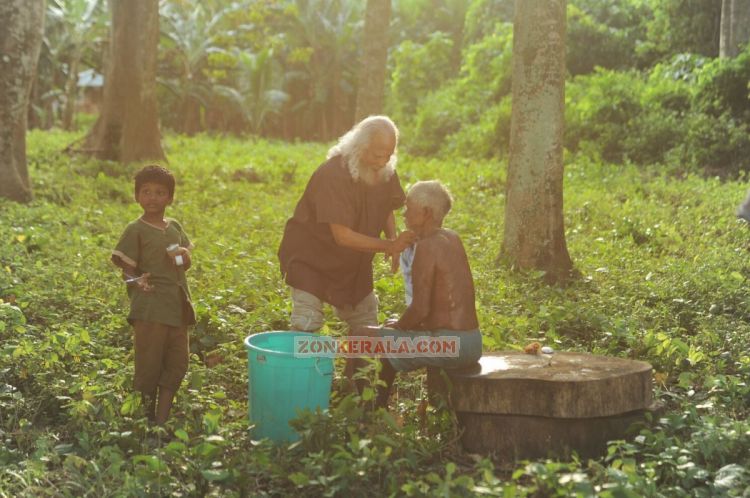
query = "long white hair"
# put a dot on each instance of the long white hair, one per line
(353, 143)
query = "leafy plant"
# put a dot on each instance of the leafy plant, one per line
(259, 95)
(324, 67)
(73, 32)
(663, 279)
(190, 34)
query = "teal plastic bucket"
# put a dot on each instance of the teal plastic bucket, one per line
(281, 383)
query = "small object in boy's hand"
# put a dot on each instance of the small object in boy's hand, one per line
(173, 250)
(141, 281)
(532, 348)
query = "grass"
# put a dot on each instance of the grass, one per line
(663, 266)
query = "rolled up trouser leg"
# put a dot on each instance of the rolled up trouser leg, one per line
(307, 311)
(364, 314)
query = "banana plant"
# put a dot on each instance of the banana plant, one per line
(258, 93)
(73, 28)
(191, 33)
(325, 83)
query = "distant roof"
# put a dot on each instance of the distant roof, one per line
(90, 78)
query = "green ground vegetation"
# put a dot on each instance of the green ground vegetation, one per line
(664, 274)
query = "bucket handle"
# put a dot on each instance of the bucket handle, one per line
(317, 361)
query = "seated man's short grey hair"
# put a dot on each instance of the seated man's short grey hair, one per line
(433, 195)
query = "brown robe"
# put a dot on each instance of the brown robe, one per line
(310, 258)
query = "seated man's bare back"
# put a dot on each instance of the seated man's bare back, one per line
(443, 288)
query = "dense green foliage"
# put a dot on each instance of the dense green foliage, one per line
(644, 88)
(663, 278)
(689, 113)
(645, 83)
(657, 133)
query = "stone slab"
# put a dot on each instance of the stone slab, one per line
(563, 385)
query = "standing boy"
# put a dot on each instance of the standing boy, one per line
(154, 253)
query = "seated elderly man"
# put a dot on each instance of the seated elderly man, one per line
(442, 304)
(328, 245)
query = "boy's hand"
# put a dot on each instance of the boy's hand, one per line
(143, 283)
(185, 253)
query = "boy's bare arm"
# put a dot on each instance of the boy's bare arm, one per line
(423, 277)
(129, 271)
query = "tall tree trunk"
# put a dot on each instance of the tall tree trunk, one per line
(374, 58)
(128, 125)
(190, 123)
(726, 28)
(336, 105)
(458, 9)
(71, 91)
(32, 116)
(534, 235)
(20, 42)
(735, 27)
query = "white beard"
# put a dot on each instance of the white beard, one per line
(369, 175)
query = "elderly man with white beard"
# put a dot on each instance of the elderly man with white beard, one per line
(329, 243)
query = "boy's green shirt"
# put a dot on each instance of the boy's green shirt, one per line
(144, 246)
